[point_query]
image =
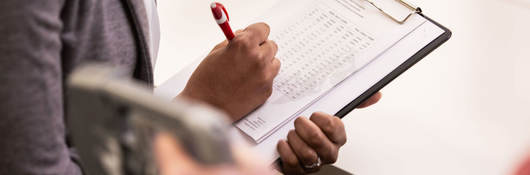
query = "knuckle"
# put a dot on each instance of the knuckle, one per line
(330, 127)
(242, 42)
(333, 160)
(268, 92)
(273, 47)
(318, 115)
(338, 122)
(264, 78)
(269, 75)
(343, 141)
(308, 155)
(264, 25)
(314, 139)
(276, 67)
(328, 120)
(274, 44)
(267, 55)
(255, 56)
(259, 65)
(313, 134)
(327, 123)
(341, 131)
(291, 162)
(246, 44)
(277, 63)
(330, 155)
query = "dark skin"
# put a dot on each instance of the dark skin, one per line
(237, 77)
(320, 136)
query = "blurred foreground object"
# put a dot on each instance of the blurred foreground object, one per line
(112, 122)
(525, 168)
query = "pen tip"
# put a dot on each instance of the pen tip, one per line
(213, 5)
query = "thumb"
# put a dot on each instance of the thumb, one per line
(221, 45)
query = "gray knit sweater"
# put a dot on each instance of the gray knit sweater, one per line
(41, 42)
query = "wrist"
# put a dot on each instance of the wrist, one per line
(189, 95)
(201, 98)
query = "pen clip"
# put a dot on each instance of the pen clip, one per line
(224, 10)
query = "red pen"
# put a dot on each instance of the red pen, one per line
(221, 17)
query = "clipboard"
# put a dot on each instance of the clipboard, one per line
(404, 66)
(407, 64)
(340, 107)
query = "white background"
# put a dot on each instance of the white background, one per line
(464, 109)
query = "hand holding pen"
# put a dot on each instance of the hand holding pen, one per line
(236, 76)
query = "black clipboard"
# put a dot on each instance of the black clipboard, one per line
(418, 56)
(399, 70)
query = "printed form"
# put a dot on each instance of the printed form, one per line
(321, 43)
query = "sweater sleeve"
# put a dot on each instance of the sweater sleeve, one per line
(32, 131)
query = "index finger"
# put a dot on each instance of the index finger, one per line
(371, 101)
(316, 139)
(258, 33)
(331, 126)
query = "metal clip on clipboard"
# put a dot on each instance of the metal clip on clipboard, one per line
(414, 10)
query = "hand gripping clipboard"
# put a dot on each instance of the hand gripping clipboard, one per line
(344, 105)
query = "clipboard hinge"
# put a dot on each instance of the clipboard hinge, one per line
(414, 10)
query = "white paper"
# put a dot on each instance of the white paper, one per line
(355, 85)
(321, 42)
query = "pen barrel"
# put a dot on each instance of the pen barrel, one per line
(227, 30)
